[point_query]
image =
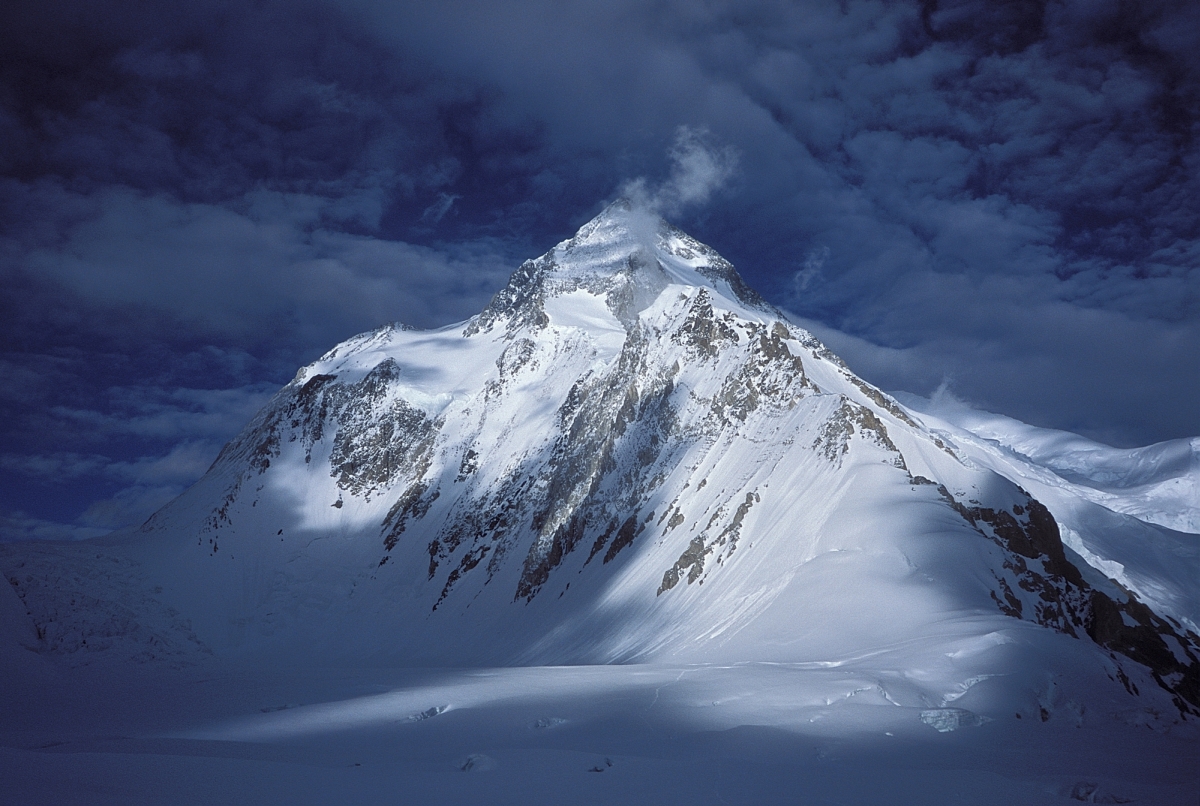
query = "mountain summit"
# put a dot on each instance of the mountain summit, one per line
(630, 456)
(625, 255)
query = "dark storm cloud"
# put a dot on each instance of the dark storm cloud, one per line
(209, 100)
(219, 154)
(203, 196)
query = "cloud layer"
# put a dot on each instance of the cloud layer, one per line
(205, 196)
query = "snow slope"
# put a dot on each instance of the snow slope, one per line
(1157, 484)
(1131, 514)
(627, 458)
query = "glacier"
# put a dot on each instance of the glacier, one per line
(629, 533)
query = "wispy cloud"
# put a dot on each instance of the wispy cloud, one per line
(16, 525)
(437, 211)
(699, 168)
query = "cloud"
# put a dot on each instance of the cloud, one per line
(176, 414)
(130, 506)
(146, 484)
(16, 525)
(188, 426)
(698, 169)
(185, 463)
(812, 269)
(437, 211)
(267, 269)
(63, 465)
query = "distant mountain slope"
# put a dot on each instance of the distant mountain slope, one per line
(1132, 514)
(1157, 484)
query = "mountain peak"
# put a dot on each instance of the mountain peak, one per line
(620, 226)
(626, 236)
(628, 255)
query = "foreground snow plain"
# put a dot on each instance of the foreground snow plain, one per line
(874, 639)
(753, 733)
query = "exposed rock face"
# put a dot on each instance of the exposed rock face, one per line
(626, 408)
(1063, 601)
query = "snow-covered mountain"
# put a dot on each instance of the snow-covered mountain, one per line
(627, 458)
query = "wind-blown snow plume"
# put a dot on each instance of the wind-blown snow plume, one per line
(698, 169)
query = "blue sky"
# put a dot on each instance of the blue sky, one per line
(196, 200)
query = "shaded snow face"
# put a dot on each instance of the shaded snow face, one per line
(625, 456)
